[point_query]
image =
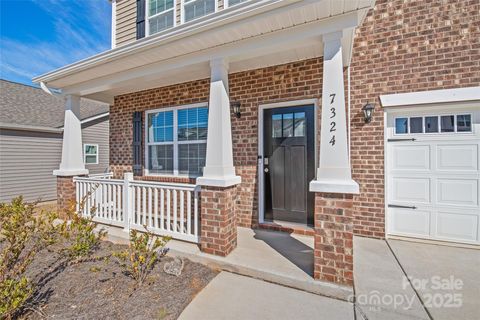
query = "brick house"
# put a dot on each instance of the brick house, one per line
(327, 118)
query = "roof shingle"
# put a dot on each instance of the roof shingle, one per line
(25, 105)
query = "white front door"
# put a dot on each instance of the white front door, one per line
(433, 174)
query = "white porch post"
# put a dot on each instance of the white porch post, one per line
(72, 148)
(219, 170)
(334, 171)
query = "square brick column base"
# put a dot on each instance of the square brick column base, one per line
(218, 226)
(66, 196)
(333, 260)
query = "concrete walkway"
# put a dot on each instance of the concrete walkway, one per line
(230, 296)
(380, 290)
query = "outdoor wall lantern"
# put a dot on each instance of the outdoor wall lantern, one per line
(235, 105)
(368, 111)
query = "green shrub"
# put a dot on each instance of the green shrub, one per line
(80, 232)
(143, 251)
(22, 235)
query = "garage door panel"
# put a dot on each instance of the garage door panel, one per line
(433, 177)
(462, 192)
(415, 157)
(410, 190)
(410, 222)
(456, 226)
(457, 157)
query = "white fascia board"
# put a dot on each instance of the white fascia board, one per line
(312, 30)
(215, 20)
(11, 126)
(430, 97)
(221, 18)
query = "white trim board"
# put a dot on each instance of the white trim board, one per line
(429, 97)
(261, 108)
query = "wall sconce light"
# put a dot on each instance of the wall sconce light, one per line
(235, 105)
(368, 111)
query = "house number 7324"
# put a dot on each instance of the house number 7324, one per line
(333, 114)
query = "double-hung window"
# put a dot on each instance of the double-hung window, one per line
(160, 15)
(90, 153)
(193, 9)
(177, 140)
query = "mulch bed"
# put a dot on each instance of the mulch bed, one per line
(100, 290)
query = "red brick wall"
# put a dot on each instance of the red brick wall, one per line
(218, 221)
(333, 254)
(299, 80)
(66, 195)
(404, 46)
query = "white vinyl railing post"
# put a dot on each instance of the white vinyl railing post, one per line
(127, 201)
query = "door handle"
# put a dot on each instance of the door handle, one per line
(399, 206)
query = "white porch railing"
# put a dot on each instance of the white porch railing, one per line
(107, 175)
(166, 209)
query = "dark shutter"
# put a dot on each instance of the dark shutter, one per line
(137, 143)
(140, 19)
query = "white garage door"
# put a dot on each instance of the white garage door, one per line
(433, 175)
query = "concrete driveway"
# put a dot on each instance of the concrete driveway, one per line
(447, 279)
(411, 280)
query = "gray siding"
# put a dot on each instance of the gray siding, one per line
(97, 133)
(126, 17)
(27, 160)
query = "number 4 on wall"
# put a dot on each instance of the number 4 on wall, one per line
(332, 141)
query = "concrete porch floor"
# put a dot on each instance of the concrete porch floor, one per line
(278, 257)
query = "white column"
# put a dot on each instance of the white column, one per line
(72, 148)
(219, 170)
(334, 171)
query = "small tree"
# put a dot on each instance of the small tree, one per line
(22, 235)
(143, 251)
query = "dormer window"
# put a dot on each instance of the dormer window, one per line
(160, 15)
(193, 9)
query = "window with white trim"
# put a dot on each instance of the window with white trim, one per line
(447, 123)
(90, 153)
(160, 15)
(177, 140)
(193, 9)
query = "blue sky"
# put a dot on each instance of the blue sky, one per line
(37, 36)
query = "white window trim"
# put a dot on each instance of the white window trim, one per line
(439, 115)
(147, 10)
(226, 4)
(85, 154)
(182, 12)
(175, 141)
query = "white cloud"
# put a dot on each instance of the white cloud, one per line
(81, 29)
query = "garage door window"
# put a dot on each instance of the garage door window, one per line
(434, 124)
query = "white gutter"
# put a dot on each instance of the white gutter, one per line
(98, 116)
(90, 119)
(21, 127)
